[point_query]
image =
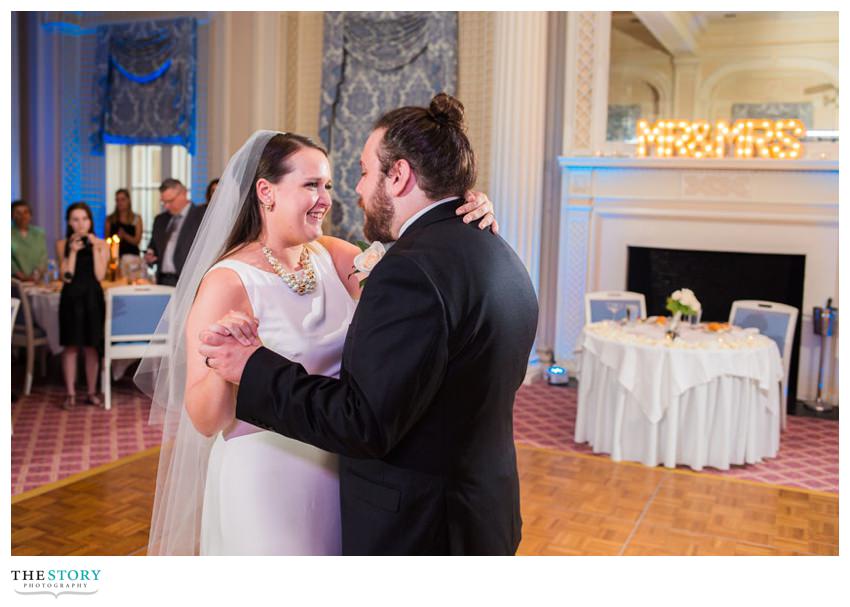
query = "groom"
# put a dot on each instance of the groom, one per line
(438, 346)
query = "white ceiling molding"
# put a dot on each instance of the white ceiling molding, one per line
(677, 31)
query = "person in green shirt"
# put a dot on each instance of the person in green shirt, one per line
(29, 249)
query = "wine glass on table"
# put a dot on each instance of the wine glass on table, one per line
(614, 307)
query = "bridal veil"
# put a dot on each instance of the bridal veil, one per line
(176, 519)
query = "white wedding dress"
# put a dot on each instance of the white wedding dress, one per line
(267, 494)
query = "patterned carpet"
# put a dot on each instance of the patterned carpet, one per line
(50, 444)
(545, 416)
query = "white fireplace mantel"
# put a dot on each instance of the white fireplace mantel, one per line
(755, 206)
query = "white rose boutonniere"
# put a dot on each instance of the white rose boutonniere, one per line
(367, 260)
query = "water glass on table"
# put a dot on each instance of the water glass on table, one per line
(614, 307)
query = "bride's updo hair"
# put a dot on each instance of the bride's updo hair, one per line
(433, 141)
(272, 166)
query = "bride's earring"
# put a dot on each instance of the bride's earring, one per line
(269, 206)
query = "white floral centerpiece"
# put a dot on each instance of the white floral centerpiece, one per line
(681, 302)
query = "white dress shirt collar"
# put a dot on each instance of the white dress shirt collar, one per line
(410, 221)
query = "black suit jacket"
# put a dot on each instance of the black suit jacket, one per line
(184, 241)
(422, 413)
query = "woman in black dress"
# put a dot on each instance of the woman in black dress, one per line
(83, 260)
(125, 224)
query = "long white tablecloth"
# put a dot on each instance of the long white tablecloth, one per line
(44, 303)
(45, 310)
(702, 400)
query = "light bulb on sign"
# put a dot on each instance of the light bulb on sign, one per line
(701, 139)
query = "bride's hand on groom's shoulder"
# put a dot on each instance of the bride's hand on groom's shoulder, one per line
(478, 206)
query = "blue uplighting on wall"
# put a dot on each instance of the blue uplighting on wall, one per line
(68, 29)
(83, 174)
(141, 78)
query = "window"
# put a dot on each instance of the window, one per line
(140, 169)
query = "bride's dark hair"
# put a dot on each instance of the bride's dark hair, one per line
(272, 166)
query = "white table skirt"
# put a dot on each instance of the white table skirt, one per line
(729, 420)
(45, 311)
(703, 400)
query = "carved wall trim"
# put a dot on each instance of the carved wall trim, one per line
(580, 183)
(700, 185)
(583, 107)
(588, 44)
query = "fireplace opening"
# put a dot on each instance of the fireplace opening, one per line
(719, 278)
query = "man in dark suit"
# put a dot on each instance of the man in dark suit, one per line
(422, 413)
(173, 232)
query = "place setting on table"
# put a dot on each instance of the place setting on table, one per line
(675, 391)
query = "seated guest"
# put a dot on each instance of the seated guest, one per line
(211, 190)
(29, 249)
(125, 224)
(83, 260)
(173, 232)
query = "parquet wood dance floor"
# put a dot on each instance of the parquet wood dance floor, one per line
(572, 504)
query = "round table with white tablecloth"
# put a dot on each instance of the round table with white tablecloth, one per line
(702, 399)
(44, 303)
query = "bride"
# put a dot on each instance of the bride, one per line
(259, 252)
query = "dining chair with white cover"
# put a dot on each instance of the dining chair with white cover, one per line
(612, 305)
(776, 321)
(16, 305)
(132, 315)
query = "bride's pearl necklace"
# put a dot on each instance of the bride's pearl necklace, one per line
(303, 284)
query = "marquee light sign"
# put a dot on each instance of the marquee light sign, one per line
(701, 139)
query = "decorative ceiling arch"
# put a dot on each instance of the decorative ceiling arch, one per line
(655, 77)
(708, 85)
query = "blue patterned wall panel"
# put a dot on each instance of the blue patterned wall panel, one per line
(374, 62)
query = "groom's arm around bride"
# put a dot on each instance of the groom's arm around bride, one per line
(438, 346)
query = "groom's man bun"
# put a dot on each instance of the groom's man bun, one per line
(433, 141)
(447, 110)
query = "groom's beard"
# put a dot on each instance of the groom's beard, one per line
(379, 219)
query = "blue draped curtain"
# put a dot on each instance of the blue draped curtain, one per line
(374, 62)
(146, 84)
